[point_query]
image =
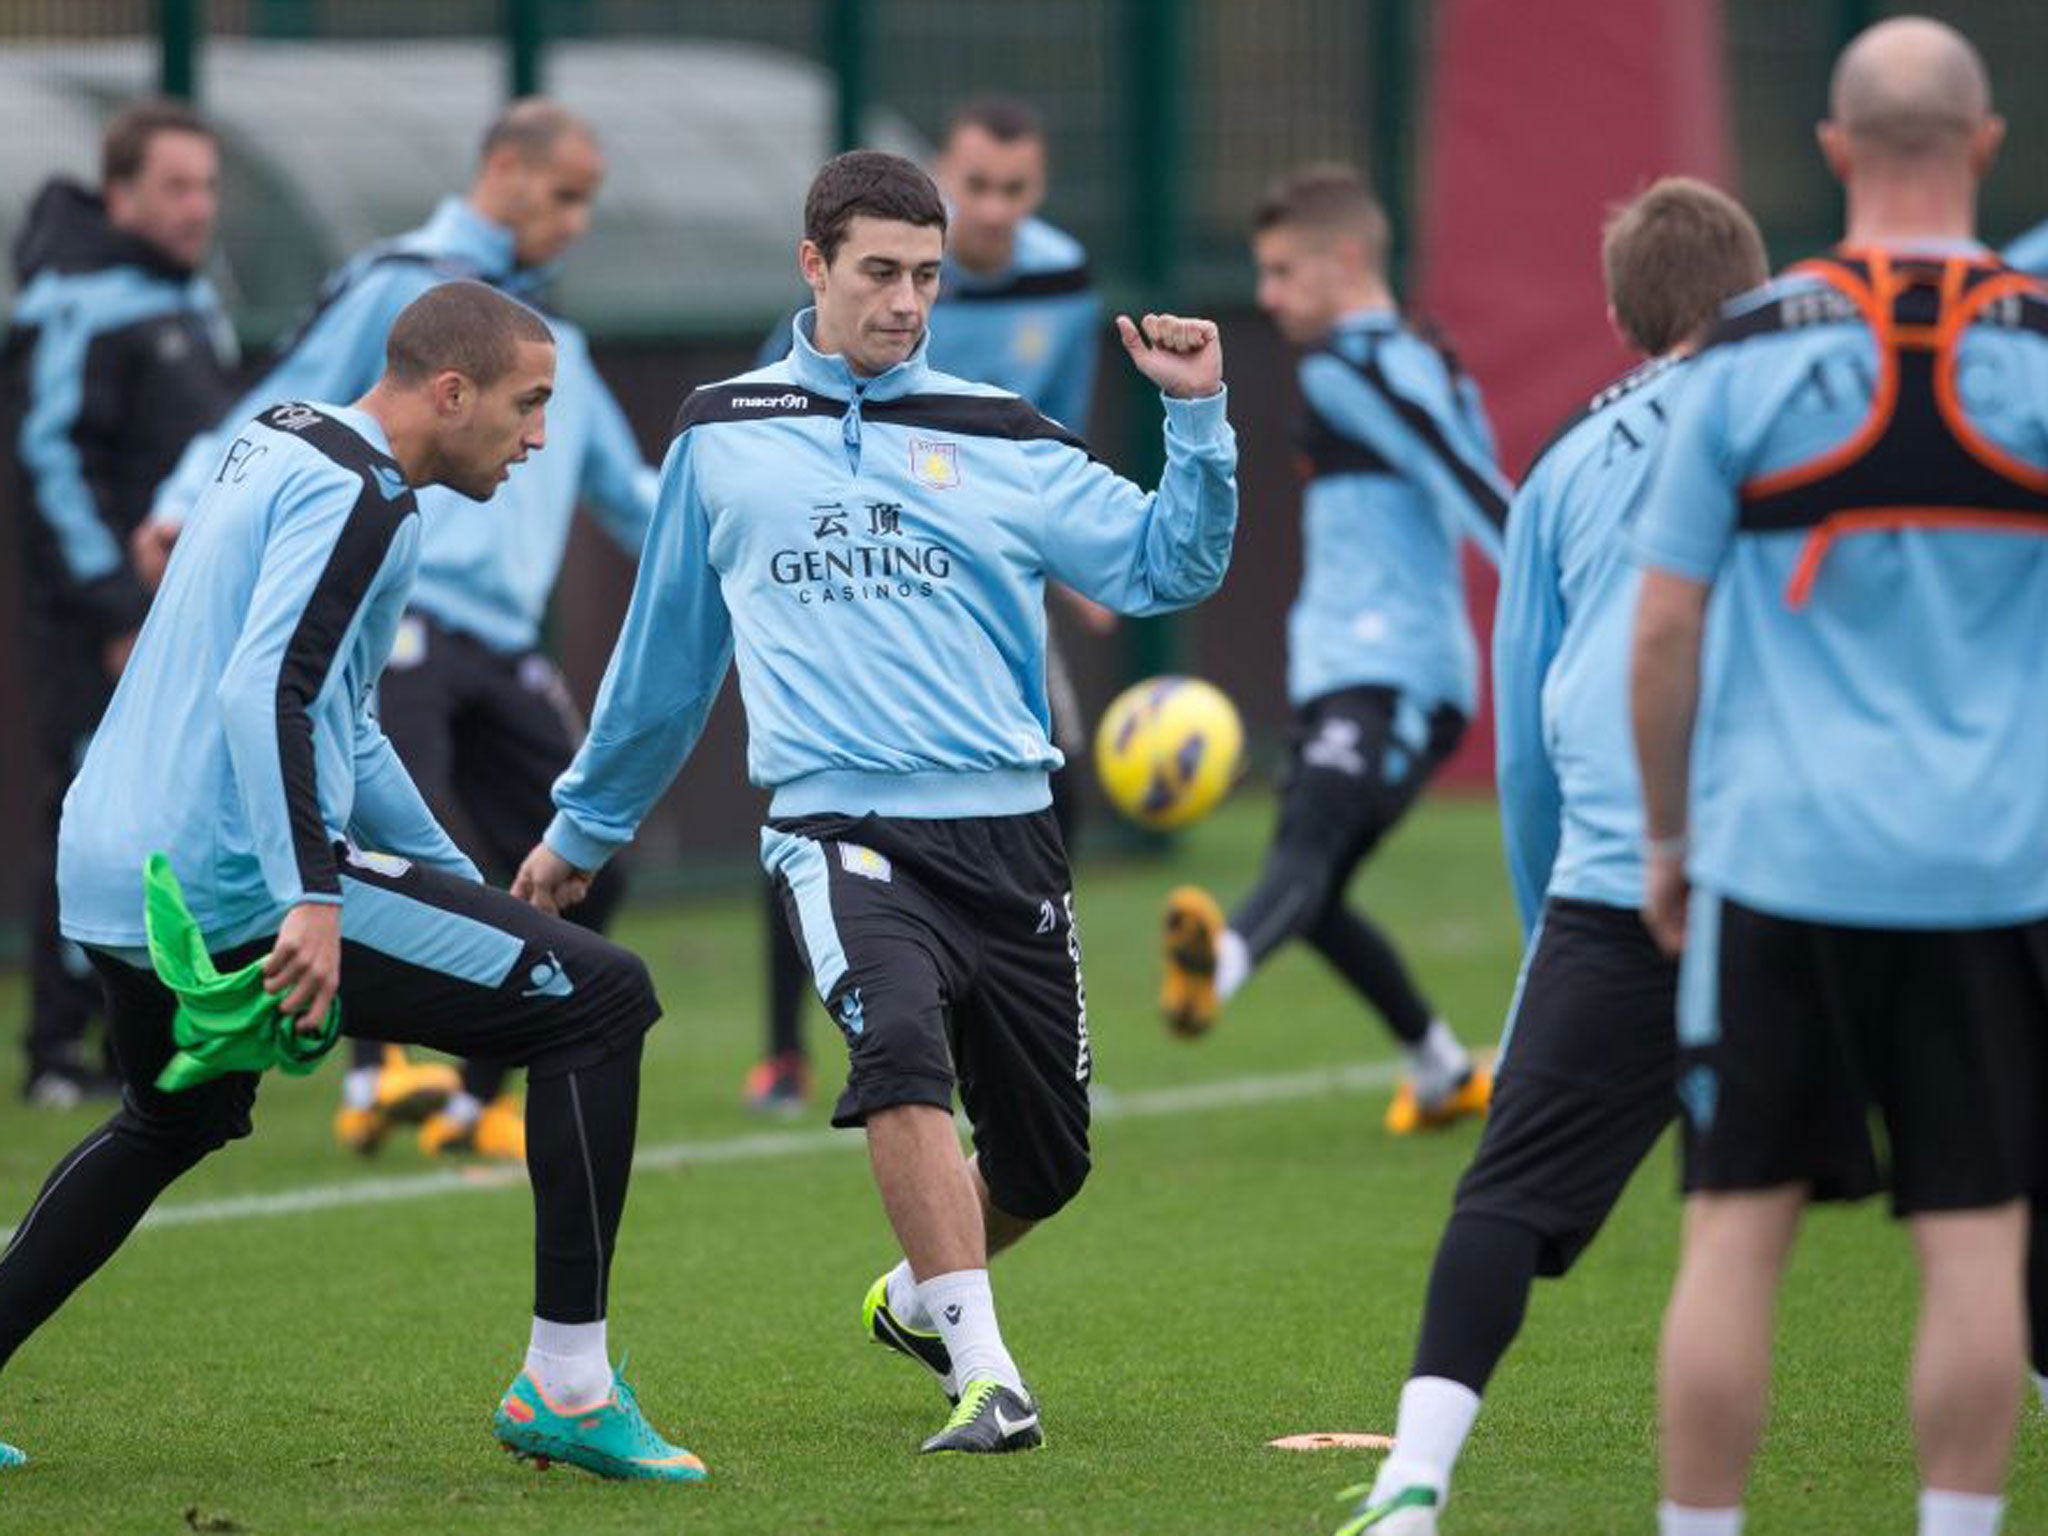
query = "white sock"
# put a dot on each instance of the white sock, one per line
(904, 1300)
(963, 1309)
(569, 1363)
(1437, 1061)
(463, 1107)
(1233, 964)
(1436, 1416)
(1677, 1520)
(1960, 1514)
(359, 1088)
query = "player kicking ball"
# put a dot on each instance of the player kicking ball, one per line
(872, 539)
(252, 675)
(1381, 667)
(1585, 1083)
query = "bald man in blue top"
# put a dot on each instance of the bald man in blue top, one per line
(1843, 735)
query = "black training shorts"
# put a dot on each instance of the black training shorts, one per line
(948, 953)
(1584, 1084)
(1798, 1039)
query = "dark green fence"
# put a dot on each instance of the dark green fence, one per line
(1165, 115)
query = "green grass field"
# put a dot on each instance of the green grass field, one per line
(1247, 1262)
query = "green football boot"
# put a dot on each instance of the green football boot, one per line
(1409, 1511)
(927, 1349)
(612, 1439)
(990, 1420)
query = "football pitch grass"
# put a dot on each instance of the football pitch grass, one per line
(316, 1344)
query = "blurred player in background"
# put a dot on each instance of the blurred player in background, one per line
(872, 537)
(1585, 1082)
(1846, 801)
(117, 355)
(480, 715)
(251, 682)
(1381, 669)
(1016, 309)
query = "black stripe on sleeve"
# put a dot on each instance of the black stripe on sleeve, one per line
(1007, 416)
(381, 507)
(1326, 451)
(1430, 433)
(1026, 285)
(751, 402)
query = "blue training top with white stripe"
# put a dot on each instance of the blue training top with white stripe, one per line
(1570, 799)
(875, 551)
(241, 741)
(1400, 461)
(1879, 755)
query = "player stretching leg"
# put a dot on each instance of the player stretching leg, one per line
(1584, 1083)
(1857, 886)
(1381, 667)
(872, 539)
(477, 710)
(252, 673)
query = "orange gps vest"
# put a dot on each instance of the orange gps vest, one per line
(1917, 461)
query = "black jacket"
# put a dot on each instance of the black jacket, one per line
(116, 356)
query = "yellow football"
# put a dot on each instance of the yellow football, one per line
(1168, 750)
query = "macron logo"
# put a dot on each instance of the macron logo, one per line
(791, 402)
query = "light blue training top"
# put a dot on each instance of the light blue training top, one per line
(1400, 465)
(1571, 802)
(875, 551)
(240, 741)
(1879, 754)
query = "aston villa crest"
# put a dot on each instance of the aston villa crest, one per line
(935, 463)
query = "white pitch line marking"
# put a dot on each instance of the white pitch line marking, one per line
(764, 1146)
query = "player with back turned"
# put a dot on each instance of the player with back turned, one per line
(871, 539)
(1842, 727)
(1585, 1082)
(241, 746)
(1381, 667)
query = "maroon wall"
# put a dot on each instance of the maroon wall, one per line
(1541, 118)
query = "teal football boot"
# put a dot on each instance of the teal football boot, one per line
(611, 1439)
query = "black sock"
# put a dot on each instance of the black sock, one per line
(1366, 957)
(788, 980)
(1478, 1292)
(579, 1154)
